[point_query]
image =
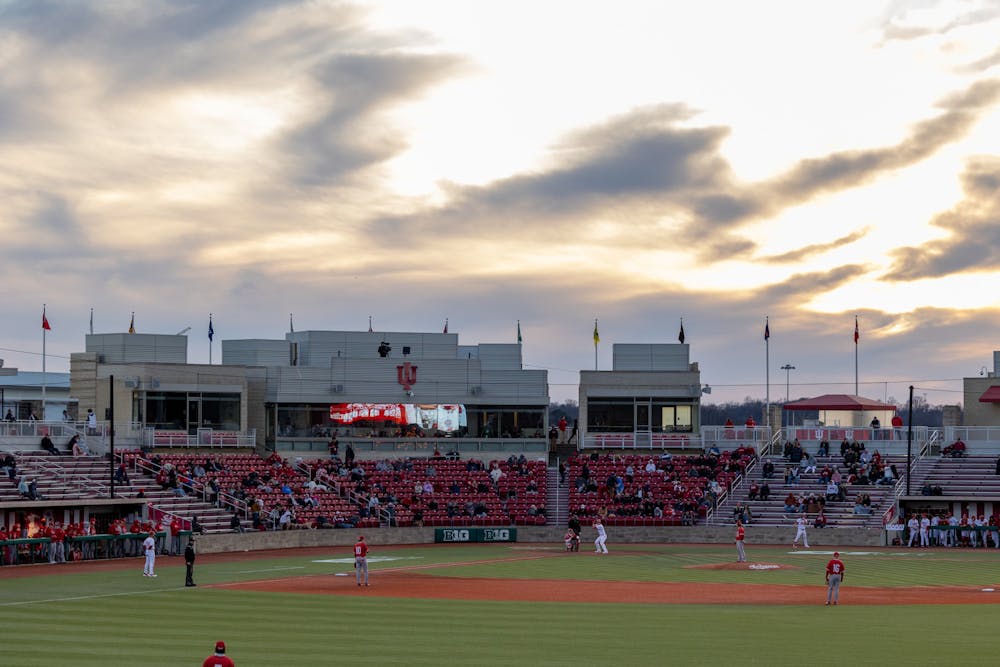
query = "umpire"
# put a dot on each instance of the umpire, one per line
(189, 562)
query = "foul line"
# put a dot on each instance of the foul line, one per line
(87, 597)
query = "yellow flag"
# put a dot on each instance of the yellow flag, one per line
(597, 336)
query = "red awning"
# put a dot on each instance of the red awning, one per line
(991, 395)
(839, 402)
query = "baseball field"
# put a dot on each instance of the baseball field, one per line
(515, 604)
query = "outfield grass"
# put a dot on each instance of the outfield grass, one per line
(122, 618)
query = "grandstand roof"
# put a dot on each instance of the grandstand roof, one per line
(838, 402)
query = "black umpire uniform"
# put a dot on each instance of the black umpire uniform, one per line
(189, 562)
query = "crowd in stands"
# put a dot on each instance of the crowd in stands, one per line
(644, 490)
(441, 490)
(860, 468)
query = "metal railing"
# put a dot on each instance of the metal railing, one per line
(205, 437)
(641, 440)
(199, 488)
(394, 447)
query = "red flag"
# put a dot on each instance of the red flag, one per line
(45, 321)
(767, 330)
(856, 334)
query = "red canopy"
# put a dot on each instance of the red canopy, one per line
(839, 402)
(991, 395)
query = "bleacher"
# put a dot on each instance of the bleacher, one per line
(238, 466)
(838, 513)
(678, 485)
(506, 503)
(966, 477)
(69, 478)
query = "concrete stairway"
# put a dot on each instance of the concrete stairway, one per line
(557, 499)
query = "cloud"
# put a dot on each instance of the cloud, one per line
(674, 180)
(845, 169)
(973, 239)
(346, 136)
(808, 251)
(908, 20)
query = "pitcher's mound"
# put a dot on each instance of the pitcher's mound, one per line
(760, 567)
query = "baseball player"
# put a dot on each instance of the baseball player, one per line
(219, 658)
(568, 539)
(361, 559)
(602, 536)
(834, 575)
(741, 555)
(913, 525)
(800, 532)
(149, 548)
(925, 526)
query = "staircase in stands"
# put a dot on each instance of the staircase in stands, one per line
(557, 500)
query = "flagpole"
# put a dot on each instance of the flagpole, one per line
(44, 331)
(211, 332)
(856, 356)
(767, 374)
(597, 339)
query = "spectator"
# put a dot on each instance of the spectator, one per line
(955, 449)
(49, 446)
(75, 447)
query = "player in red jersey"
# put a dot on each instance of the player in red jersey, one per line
(741, 555)
(361, 559)
(219, 658)
(834, 576)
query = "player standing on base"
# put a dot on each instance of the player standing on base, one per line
(602, 536)
(834, 575)
(361, 559)
(741, 555)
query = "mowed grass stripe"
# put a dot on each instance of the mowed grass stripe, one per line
(270, 629)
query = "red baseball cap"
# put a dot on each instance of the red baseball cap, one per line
(836, 554)
(360, 537)
(220, 647)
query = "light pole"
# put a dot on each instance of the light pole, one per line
(788, 368)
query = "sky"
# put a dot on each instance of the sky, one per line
(484, 163)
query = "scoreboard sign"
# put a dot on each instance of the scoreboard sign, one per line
(475, 534)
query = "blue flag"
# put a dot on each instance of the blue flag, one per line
(211, 329)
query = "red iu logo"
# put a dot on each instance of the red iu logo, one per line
(406, 375)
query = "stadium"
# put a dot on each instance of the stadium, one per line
(273, 465)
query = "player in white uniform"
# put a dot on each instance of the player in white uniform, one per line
(800, 531)
(602, 537)
(149, 547)
(913, 525)
(925, 526)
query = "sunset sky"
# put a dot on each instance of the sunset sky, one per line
(489, 162)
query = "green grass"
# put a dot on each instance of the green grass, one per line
(122, 618)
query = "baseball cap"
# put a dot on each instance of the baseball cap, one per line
(220, 647)
(836, 554)
(360, 537)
